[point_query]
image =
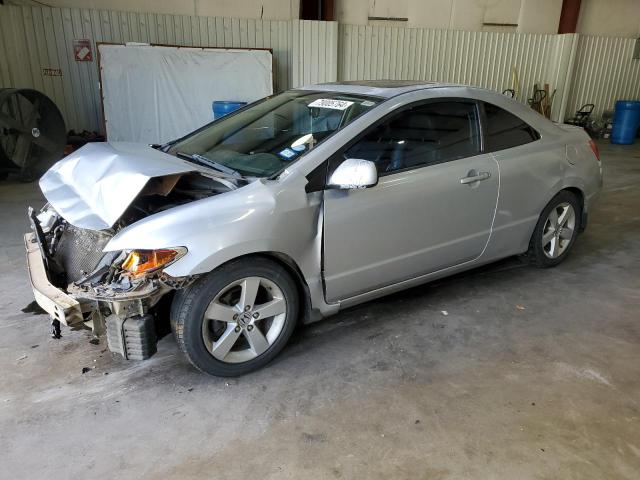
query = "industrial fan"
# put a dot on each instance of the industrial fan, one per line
(32, 133)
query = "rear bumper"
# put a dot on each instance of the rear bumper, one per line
(54, 301)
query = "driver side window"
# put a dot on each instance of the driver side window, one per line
(426, 134)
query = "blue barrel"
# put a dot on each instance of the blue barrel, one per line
(222, 108)
(626, 122)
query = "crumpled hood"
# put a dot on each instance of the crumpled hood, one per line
(92, 187)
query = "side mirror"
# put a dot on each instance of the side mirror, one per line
(354, 173)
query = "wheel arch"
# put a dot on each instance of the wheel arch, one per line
(292, 268)
(581, 199)
(568, 188)
(534, 252)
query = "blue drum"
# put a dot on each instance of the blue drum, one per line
(626, 122)
(222, 108)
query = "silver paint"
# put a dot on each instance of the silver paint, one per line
(354, 173)
(93, 186)
(412, 227)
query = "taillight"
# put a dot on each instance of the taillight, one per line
(594, 148)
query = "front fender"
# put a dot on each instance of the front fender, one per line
(255, 218)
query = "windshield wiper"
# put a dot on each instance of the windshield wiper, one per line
(202, 160)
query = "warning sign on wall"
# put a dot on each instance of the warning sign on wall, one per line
(82, 50)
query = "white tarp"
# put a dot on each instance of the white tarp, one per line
(153, 94)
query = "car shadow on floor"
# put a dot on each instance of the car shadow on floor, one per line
(381, 312)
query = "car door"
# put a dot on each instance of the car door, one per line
(432, 208)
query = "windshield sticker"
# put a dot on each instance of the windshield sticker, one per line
(287, 154)
(330, 103)
(367, 103)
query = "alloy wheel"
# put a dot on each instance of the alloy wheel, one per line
(558, 230)
(244, 319)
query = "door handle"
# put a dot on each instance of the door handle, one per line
(475, 177)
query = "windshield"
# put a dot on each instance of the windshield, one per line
(265, 138)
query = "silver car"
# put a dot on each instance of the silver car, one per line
(298, 206)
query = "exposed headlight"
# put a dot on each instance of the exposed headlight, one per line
(141, 262)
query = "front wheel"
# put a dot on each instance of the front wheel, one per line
(237, 318)
(556, 230)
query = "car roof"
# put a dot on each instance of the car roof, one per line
(378, 88)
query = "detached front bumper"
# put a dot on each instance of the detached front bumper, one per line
(54, 301)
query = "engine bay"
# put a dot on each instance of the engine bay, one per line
(75, 258)
(163, 193)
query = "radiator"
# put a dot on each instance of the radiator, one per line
(79, 251)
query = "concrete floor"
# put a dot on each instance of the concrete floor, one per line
(531, 374)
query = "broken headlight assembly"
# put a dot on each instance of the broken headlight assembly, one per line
(140, 263)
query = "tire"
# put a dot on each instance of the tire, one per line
(542, 252)
(231, 341)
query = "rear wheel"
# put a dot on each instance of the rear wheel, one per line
(556, 230)
(237, 318)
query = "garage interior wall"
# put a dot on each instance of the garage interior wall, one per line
(583, 68)
(605, 71)
(36, 42)
(492, 60)
(597, 17)
(619, 18)
(262, 10)
(524, 16)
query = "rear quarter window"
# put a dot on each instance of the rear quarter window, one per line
(505, 130)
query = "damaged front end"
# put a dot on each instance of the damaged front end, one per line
(116, 293)
(76, 279)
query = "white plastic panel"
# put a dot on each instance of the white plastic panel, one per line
(154, 94)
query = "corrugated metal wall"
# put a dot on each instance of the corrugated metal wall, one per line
(484, 59)
(582, 68)
(559, 69)
(314, 52)
(604, 72)
(33, 38)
